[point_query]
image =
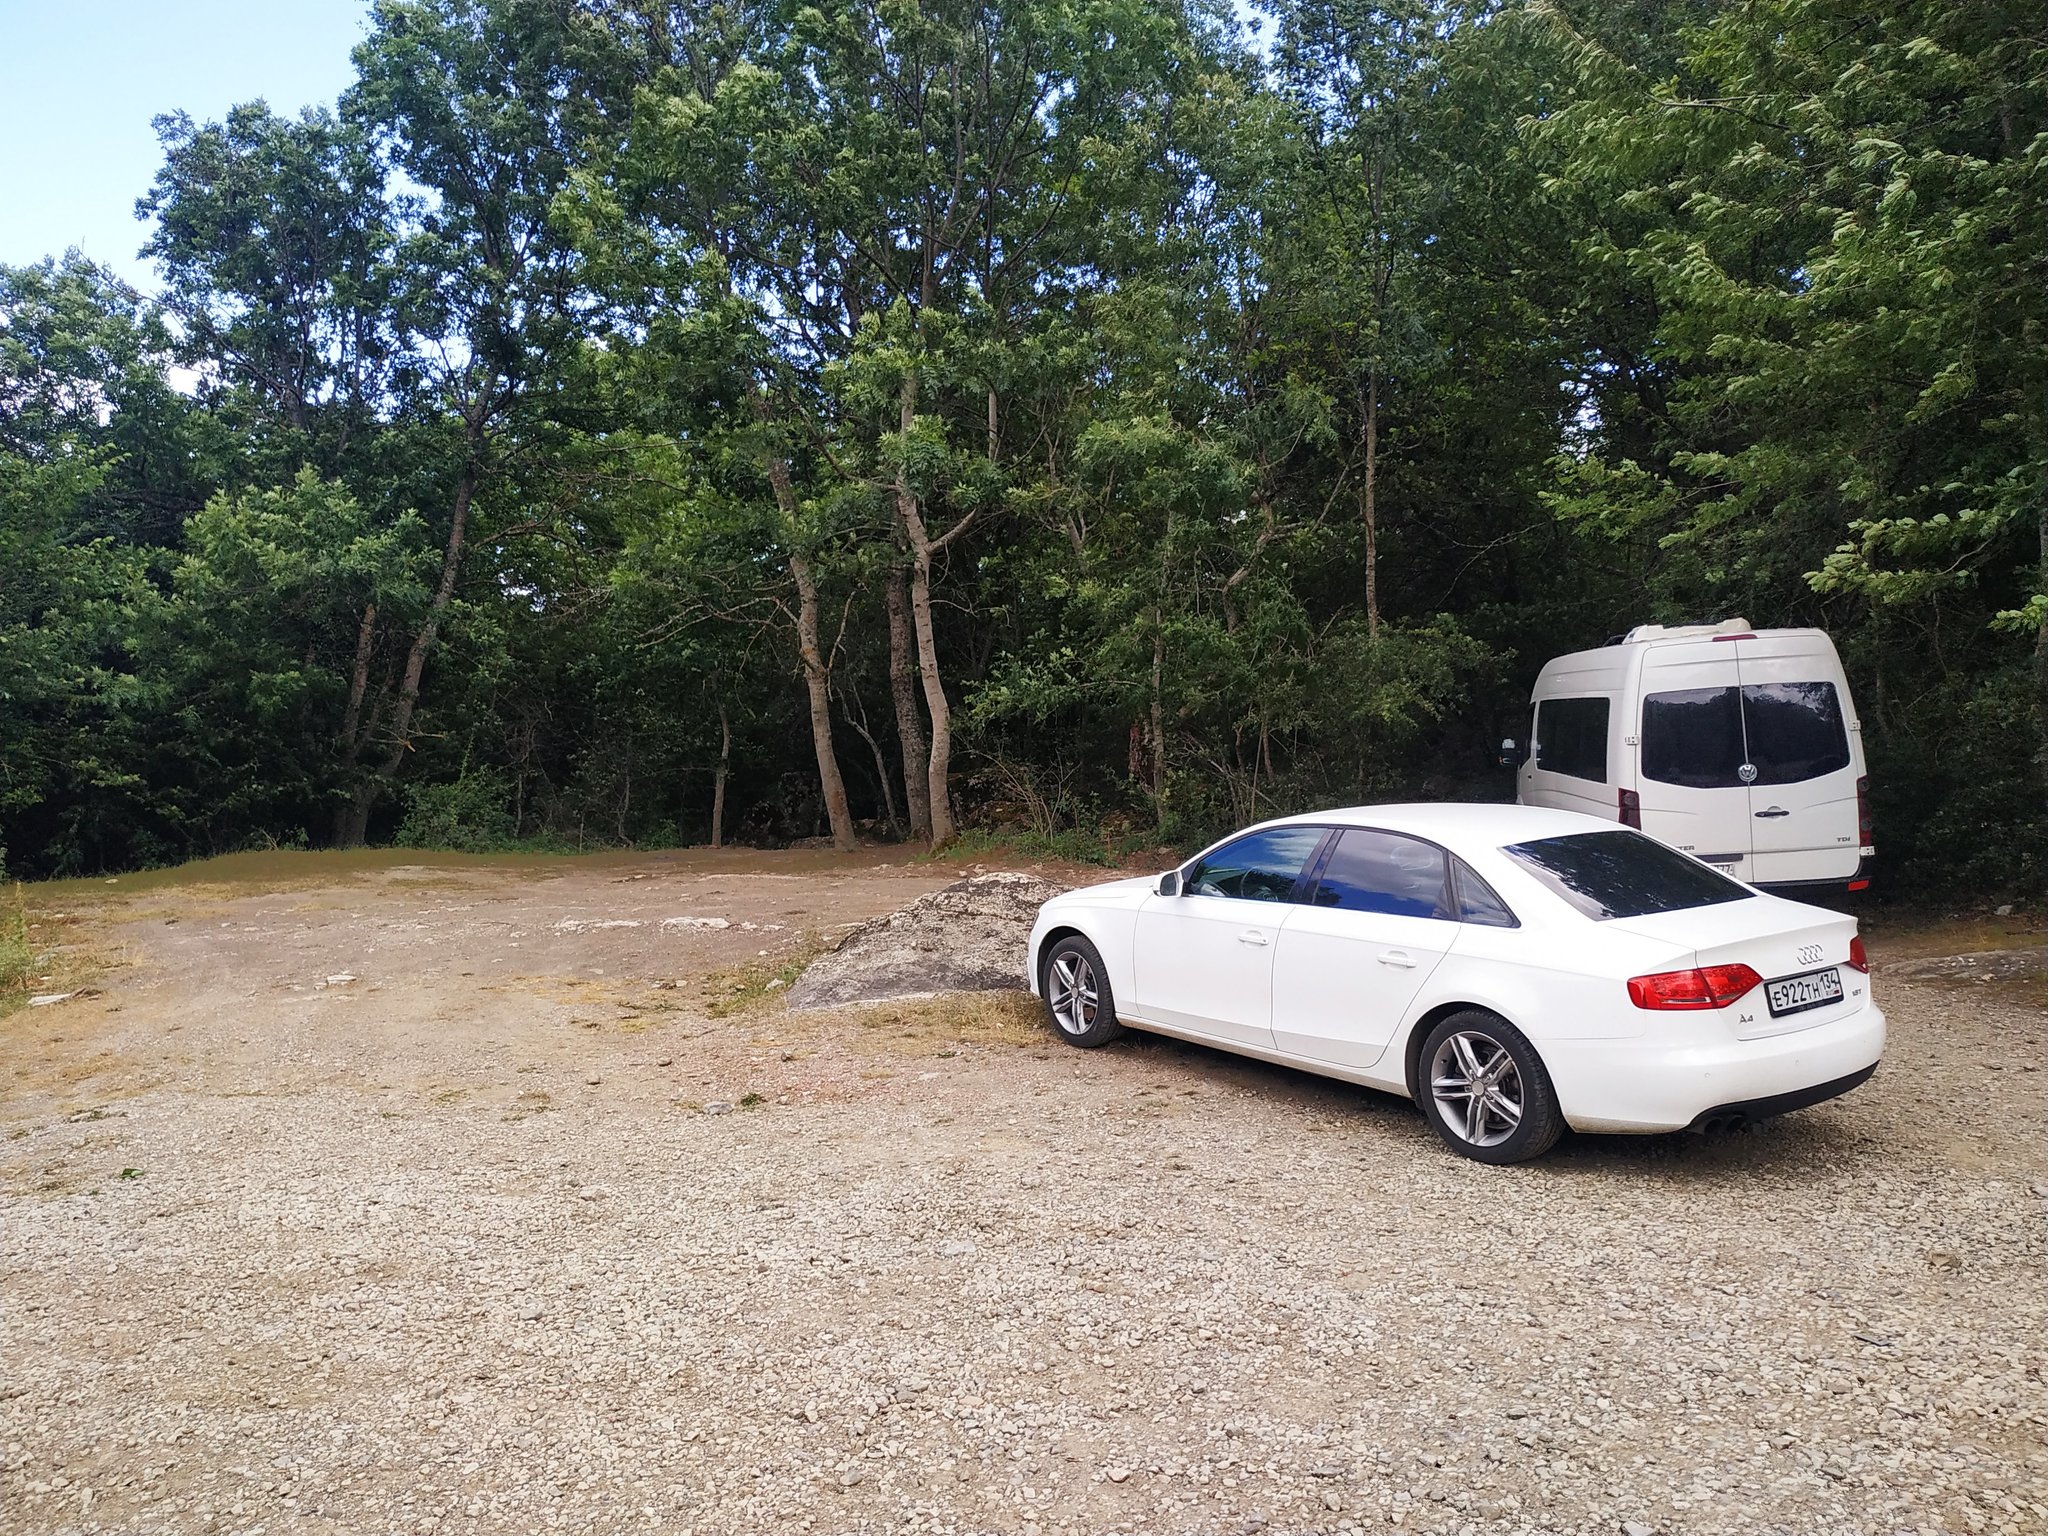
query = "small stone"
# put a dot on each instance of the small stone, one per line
(848, 1479)
(718, 1107)
(1117, 1474)
(664, 1061)
(1637, 1528)
(529, 1314)
(1332, 1502)
(593, 1081)
(2003, 909)
(340, 979)
(590, 1192)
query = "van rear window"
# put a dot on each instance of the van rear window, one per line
(1700, 738)
(1623, 874)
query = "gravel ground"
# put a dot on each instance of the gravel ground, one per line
(539, 1249)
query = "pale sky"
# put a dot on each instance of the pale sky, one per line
(81, 79)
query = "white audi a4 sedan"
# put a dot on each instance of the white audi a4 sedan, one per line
(1515, 970)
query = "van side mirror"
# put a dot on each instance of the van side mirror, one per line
(1169, 883)
(1511, 756)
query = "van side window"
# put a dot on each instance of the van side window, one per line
(1571, 738)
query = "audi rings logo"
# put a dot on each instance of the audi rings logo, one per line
(1810, 954)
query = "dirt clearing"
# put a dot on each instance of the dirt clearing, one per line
(490, 1196)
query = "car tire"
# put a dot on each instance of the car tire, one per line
(1075, 986)
(1513, 1115)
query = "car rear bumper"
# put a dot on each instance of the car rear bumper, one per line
(1822, 893)
(1644, 1086)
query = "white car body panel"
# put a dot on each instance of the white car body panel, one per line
(1206, 963)
(1344, 981)
(1317, 995)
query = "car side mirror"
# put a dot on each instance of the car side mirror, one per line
(1511, 756)
(1169, 883)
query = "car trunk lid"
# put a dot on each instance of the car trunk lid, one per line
(1780, 941)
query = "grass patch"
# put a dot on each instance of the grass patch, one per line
(914, 1027)
(759, 984)
(42, 950)
(17, 955)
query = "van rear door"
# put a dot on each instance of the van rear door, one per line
(1690, 751)
(1802, 797)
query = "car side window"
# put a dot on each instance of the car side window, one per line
(1384, 872)
(1263, 866)
(1478, 903)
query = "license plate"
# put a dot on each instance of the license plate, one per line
(1796, 994)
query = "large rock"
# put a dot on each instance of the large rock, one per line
(966, 937)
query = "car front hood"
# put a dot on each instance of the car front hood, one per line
(1113, 892)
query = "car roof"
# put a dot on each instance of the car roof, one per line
(1457, 823)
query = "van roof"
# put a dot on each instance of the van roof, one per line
(1685, 631)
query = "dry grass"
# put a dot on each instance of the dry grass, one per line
(758, 985)
(916, 1026)
(46, 950)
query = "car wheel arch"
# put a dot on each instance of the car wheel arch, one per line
(1051, 937)
(1418, 1033)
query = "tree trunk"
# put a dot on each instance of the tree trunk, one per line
(2041, 668)
(817, 679)
(718, 779)
(1371, 505)
(359, 679)
(353, 827)
(857, 717)
(921, 623)
(1158, 721)
(817, 676)
(909, 728)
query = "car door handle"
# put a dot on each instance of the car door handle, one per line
(1399, 957)
(1773, 811)
(1252, 936)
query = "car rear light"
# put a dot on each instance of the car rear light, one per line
(1706, 986)
(1859, 959)
(1631, 806)
(1865, 832)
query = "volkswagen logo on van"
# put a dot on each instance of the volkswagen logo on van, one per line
(1746, 773)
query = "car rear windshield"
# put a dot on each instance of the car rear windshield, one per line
(1701, 738)
(1623, 874)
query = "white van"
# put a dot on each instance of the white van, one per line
(1740, 746)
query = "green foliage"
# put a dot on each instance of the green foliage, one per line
(561, 408)
(470, 815)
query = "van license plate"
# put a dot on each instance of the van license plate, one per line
(1795, 994)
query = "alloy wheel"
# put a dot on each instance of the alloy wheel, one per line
(1477, 1088)
(1071, 993)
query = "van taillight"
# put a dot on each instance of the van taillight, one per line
(1710, 986)
(1631, 805)
(1865, 833)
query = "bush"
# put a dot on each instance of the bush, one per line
(471, 815)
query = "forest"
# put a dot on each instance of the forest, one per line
(1094, 423)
